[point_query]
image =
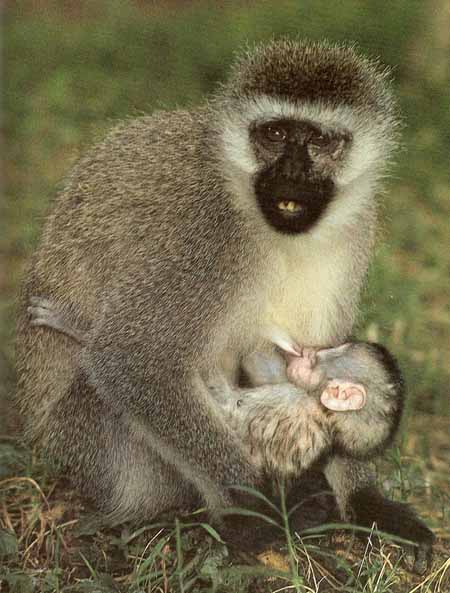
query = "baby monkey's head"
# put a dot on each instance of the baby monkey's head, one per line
(365, 432)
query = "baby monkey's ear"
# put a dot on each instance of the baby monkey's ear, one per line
(343, 396)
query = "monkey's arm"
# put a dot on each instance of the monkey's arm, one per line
(273, 421)
(152, 372)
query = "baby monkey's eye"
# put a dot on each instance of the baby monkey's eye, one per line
(274, 132)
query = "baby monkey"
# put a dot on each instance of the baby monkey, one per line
(346, 400)
(305, 405)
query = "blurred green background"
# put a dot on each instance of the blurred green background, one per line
(71, 69)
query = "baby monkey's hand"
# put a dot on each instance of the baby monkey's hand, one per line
(303, 370)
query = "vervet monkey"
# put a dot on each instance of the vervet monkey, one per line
(181, 239)
(348, 399)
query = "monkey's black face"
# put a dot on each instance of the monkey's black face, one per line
(297, 184)
(292, 205)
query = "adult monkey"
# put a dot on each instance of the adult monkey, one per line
(187, 240)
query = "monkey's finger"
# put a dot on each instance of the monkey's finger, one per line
(38, 321)
(43, 322)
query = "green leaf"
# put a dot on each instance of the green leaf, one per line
(212, 532)
(8, 544)
(248, 513)
(257, 494)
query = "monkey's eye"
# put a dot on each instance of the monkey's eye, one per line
(320, 140)
(274, 133)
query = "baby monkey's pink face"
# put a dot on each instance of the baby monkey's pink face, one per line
(311, 368)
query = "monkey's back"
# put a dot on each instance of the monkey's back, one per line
(100, 234)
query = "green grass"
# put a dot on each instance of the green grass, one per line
(73, 69)
(47, 544)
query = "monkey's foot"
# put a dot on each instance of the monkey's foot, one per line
(302, 370)
(342, 396)
(44, 313)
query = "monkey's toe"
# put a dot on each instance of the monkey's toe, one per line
(36, 301)
(418, 558)
(38, 315)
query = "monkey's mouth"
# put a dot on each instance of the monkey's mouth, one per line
(289, 207)
(292, 205)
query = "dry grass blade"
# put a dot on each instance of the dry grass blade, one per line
(11, 482)
(436, 578)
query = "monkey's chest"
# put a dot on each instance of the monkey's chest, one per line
(309, 300)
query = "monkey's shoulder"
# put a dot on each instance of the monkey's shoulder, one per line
(148, 171)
